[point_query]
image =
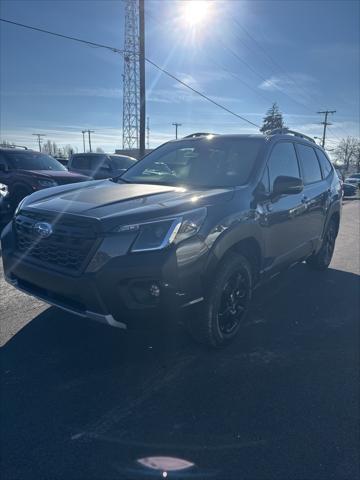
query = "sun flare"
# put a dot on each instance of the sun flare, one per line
(196, 12)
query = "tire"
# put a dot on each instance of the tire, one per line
(226, 306)
(321, 260)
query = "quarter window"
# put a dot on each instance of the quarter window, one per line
(310, 164)
(283, 162)
(324, 162)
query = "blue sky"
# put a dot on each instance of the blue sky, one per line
(305, 57)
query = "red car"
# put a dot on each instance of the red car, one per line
(26, 171)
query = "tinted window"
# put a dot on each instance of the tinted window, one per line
(25, 160)
(283, 162)
(121, 162)
(98, 161)
(310, 164)
(202, 162)
(325, 164)
(80, 163)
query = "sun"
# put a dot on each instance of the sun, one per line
(196, 12)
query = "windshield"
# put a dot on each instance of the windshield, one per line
(203, 162)
(33, 161)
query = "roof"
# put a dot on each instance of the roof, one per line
(283, 133)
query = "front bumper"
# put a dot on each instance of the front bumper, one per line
(110, 292)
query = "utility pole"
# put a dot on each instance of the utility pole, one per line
(142, 76)
(83, 134)
(89, 134)
(39, 135)
(325, 123)
(176, 125)
(148, 132)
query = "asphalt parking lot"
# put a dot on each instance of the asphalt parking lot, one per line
(82, 401)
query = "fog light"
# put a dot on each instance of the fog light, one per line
(154, 290)
(145, 292)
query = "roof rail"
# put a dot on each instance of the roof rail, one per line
(14, 146)
(286, 131)
(199, 134)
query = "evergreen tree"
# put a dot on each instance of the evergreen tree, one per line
(273, 119)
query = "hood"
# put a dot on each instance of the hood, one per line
(60, 176)
(107, 200)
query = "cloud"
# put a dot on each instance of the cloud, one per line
(288, 83)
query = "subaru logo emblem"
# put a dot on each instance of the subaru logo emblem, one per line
(43, 229)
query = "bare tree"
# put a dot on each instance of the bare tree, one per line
(68, 150)
(5, 143)
(347, 153)
(51, 148)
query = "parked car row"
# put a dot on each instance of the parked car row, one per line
(24, 171)
(354, 179)
(350, 185)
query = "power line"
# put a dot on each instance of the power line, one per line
(277, 65)
(201, 94)
(116, 50)
(264, 79)
(267, 54)
(75, 39)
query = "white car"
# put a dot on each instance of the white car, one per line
(354, 179)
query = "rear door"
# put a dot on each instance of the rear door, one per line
(316, 192)
(282, 217)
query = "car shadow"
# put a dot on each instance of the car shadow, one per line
(80, 400)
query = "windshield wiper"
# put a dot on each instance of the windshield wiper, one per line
(116, 178)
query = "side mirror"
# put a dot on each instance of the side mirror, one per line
(287, 186)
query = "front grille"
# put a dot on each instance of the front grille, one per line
(69, 247)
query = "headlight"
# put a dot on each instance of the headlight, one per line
(4, 191)
(159, 234)
(47, 183)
